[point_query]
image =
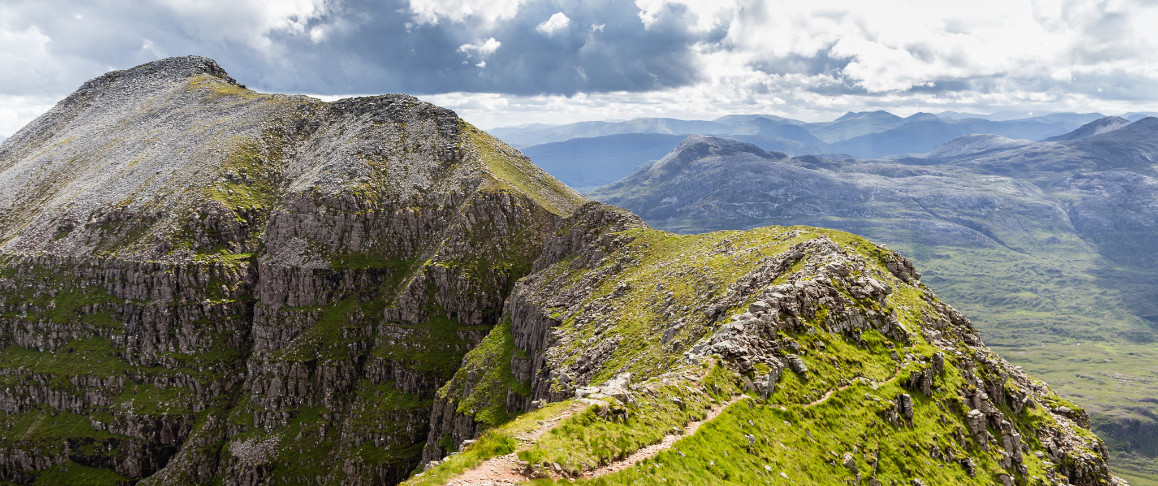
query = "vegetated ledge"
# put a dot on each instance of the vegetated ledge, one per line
(241, 288)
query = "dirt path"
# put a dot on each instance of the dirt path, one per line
(506, 469)
(828, 395)
(494, 471)
(654, 449)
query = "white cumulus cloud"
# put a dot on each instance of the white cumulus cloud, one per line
(557, 22)
(482, 49)
(490, 11)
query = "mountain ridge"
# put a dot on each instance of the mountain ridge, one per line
(1060, 229)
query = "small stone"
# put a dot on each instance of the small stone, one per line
(849, 462)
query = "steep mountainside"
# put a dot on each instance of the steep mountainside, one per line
(1048, 245)
(202, 284)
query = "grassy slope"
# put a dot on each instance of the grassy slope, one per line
(793, 438)
(1047, 308)
(1051, 315)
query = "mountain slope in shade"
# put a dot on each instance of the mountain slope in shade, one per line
(1063, 231)
(200, 284)
(853, 124)
(586, 163)
(973, 144)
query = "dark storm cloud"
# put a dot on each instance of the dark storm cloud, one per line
(605, 47)
(365, 46)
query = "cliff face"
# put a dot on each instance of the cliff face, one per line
(199, 281)
(201, 284)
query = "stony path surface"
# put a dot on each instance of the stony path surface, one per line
(506, 469)
(492, 472)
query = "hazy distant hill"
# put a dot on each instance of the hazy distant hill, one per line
(1065, 232)
(586, 163)
(852, 125)
(540, 134)
(922, 132)
(579, 154)
(1096, 127)
(974, 144)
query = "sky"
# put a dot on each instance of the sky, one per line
(512, 62)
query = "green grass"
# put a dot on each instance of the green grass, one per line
(488, 366)
(586, 440)
(94, 357)
(149, 399)
(797, 432)
(53, 426)
(513, 171)
(249, 178)
(706, 265)
(492, 443)
(73, 474)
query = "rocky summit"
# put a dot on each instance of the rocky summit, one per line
(204, 284)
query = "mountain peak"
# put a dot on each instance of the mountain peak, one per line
(168, 68)
(922, 116)
(878, 114)
(1096, 127)
(699, 146)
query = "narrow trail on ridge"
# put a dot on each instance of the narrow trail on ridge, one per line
(668, 440)
(833, 391)
(507, 469)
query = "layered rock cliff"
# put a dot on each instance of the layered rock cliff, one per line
(201, 282)
(204, 284)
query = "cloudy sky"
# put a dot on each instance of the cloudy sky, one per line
(508, 62)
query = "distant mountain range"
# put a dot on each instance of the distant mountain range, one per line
(579, 154)
(1049, 245)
